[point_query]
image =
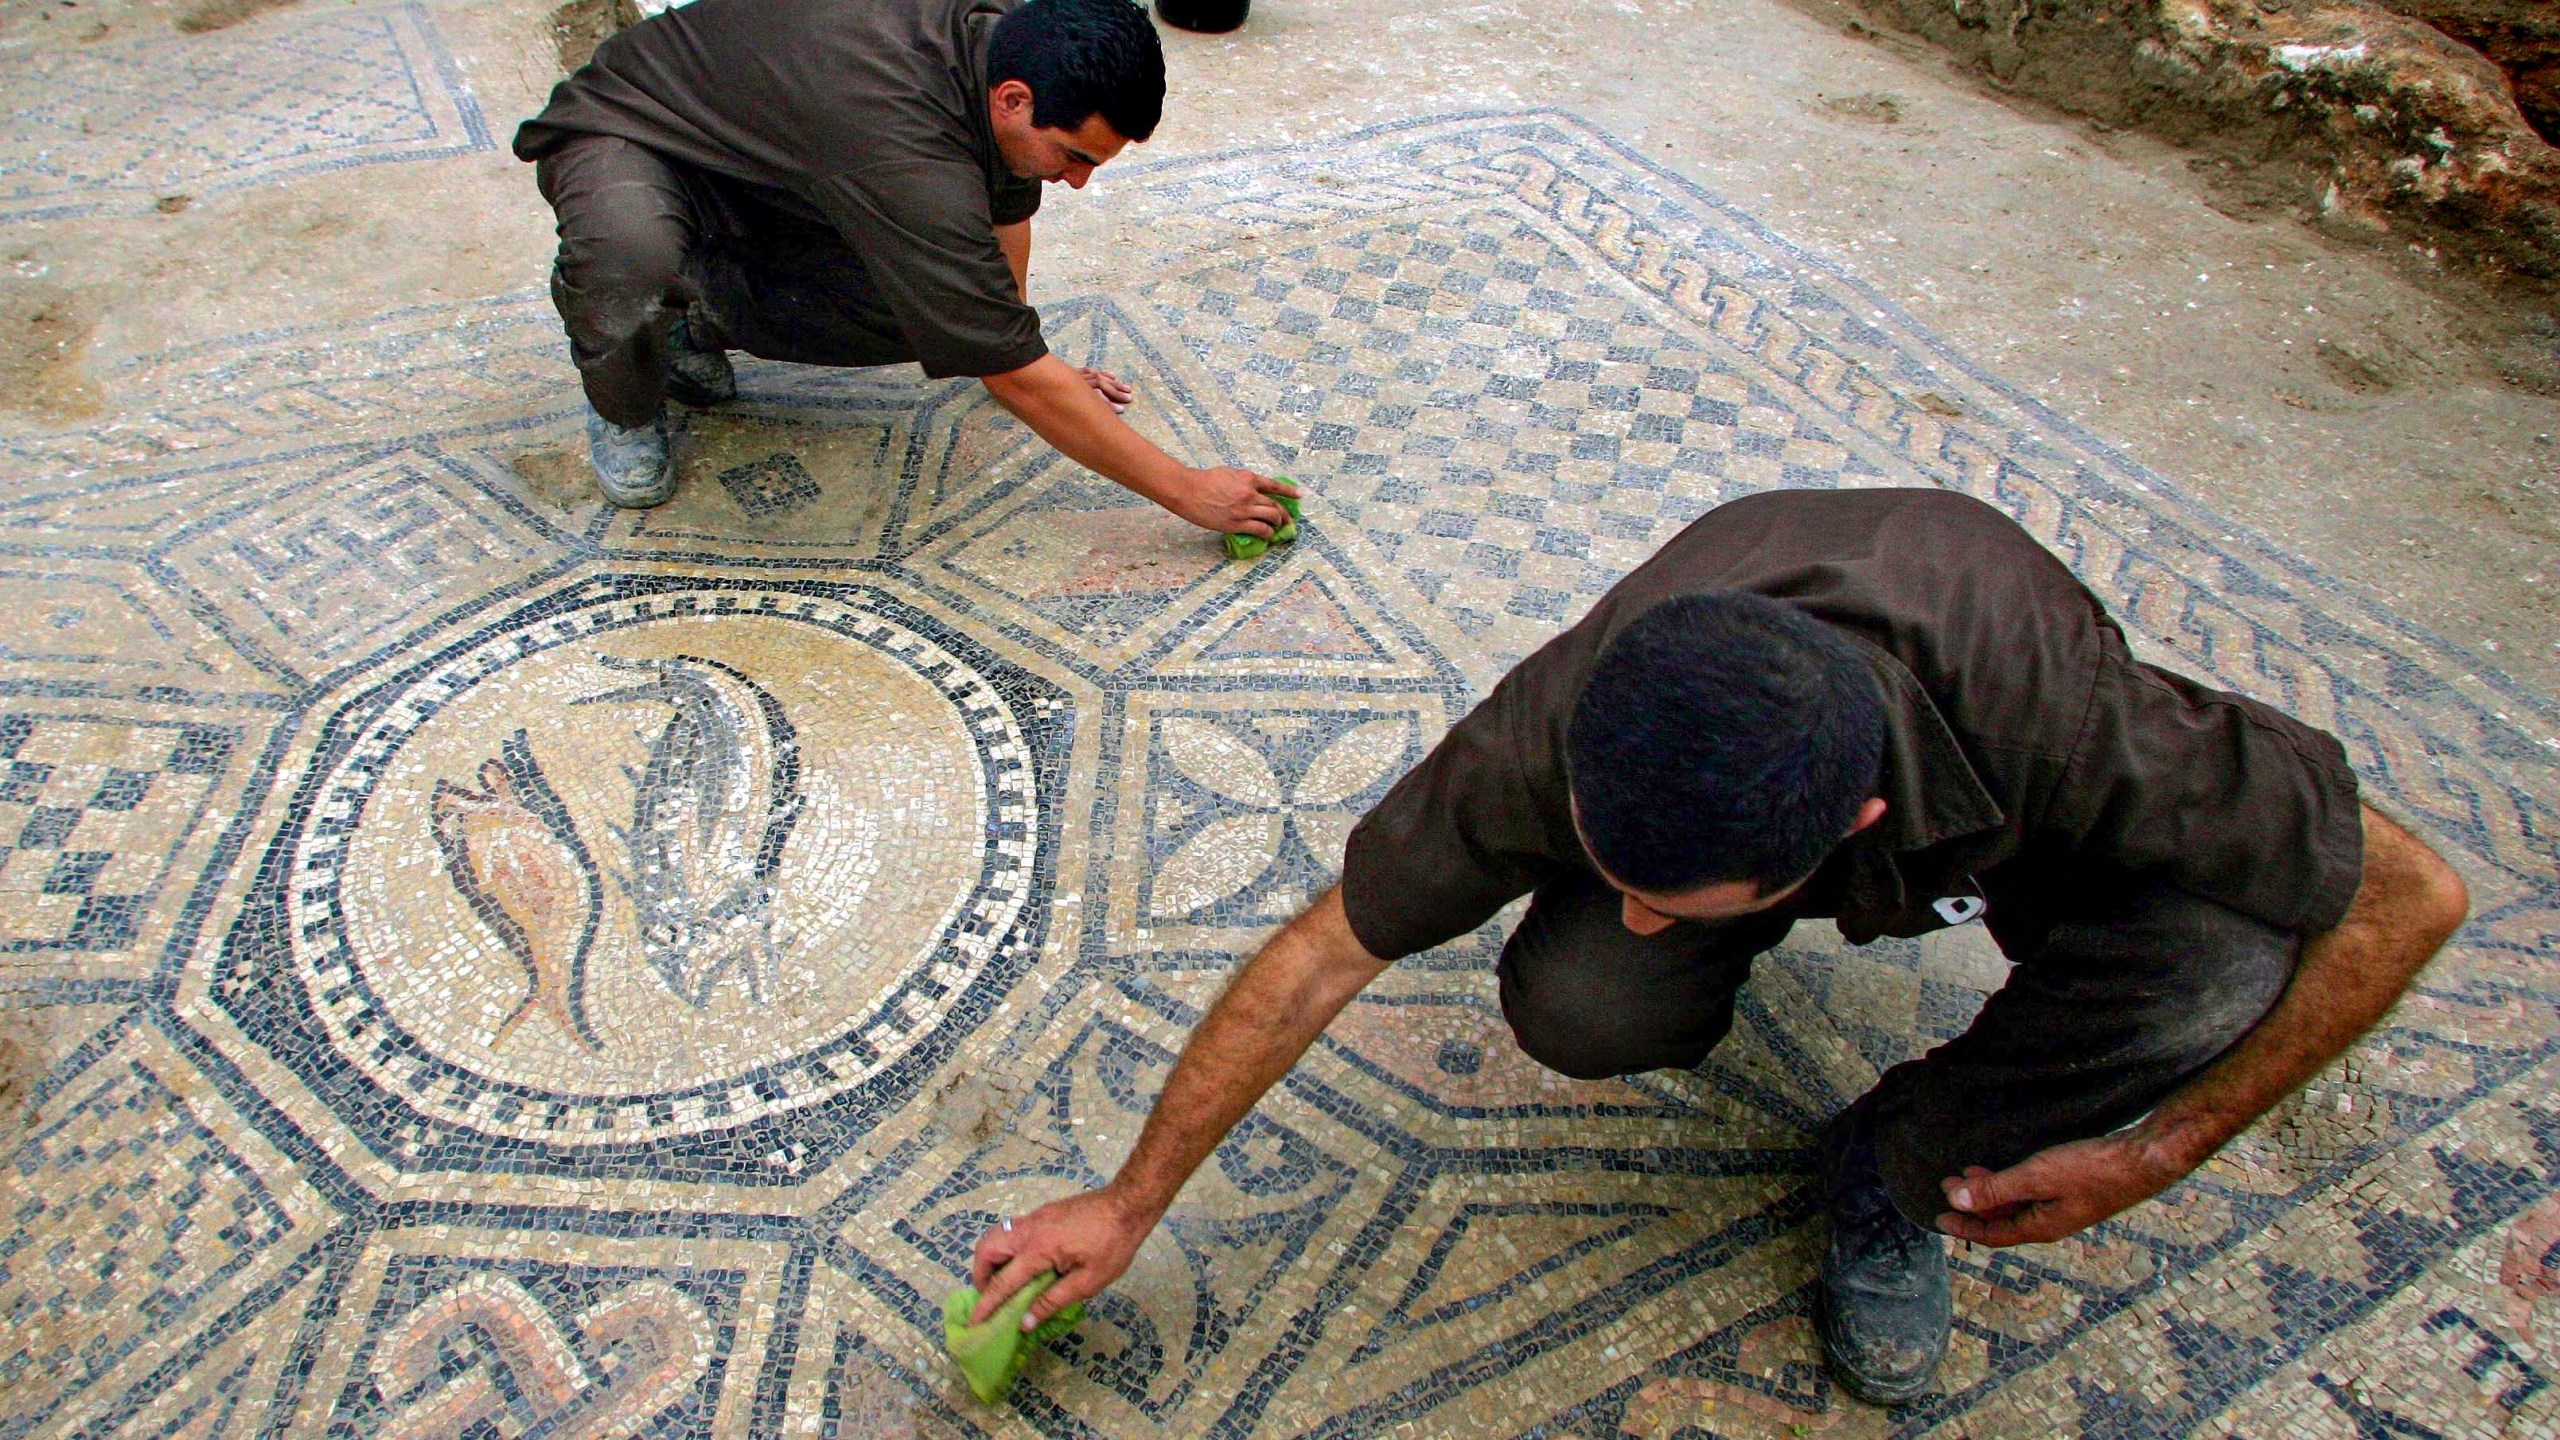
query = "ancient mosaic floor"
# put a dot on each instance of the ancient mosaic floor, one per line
(523, 969)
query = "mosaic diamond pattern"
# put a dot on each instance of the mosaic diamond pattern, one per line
(1514, 434)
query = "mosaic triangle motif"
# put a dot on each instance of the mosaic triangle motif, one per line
(1492, 1251)
(1024, 770)
(1454, 1055)
(1303, 622)
(1303, 614)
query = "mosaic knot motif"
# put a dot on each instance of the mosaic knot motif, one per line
(527, 968)
(464, 1347)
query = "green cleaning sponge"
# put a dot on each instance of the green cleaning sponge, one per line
(1246, 547)
(992, 1355)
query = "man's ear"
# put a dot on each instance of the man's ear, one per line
(1011, 97)
(1868, 814)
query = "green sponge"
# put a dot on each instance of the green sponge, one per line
(992, 1355)
(1246, 547)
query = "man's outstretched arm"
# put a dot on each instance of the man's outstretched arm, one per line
(1063, 406)
(1275, 1009)
(2410, 903)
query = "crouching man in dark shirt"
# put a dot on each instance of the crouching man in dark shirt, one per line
(1891, 709)
(845, 182)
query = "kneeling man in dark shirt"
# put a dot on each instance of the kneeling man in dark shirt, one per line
(1893, 710)
(845, 182)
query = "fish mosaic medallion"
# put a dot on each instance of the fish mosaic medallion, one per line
(645, 864)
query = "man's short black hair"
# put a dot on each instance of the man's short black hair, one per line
(1082, 58)
(1723, 737)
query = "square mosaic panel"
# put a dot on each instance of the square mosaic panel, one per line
(656, 945)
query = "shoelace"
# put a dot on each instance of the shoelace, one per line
(1869, 1213)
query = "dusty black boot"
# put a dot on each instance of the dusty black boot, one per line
(1884, 1306)
(698, 373)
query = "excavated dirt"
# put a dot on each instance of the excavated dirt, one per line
(223, 14)
(2365, 121)
(44, 338)
(578, 27)
(2520, 37)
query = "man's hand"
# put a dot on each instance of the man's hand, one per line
(2409, 903)
(1279, 1003)
(1088, 1239)
(1109, 386)
(1073, 410)
(2055, 1192)
(1232, 501)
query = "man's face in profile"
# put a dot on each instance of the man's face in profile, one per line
(1650, 912)
(1037, 152)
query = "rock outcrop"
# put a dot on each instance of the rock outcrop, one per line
(2368, 118)
(2521, 37)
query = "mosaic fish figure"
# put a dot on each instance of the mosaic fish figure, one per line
(514, 854)
(712, 808)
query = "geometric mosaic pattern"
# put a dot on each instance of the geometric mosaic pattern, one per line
(587, 972)
(115, 126)
(96, 806)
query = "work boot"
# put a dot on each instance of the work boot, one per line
(631, 462)
(698, 374)
(1884, 1306)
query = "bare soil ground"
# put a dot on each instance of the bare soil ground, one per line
(44, 340)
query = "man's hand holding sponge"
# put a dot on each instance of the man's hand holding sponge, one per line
(1246, 547)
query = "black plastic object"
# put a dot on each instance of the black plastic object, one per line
(1209, 17)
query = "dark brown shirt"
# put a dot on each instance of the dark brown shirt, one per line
(868, 114)
(2027, 751)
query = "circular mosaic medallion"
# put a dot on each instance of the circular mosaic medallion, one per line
(659, 864)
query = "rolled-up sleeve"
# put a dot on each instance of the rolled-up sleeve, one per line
(1459, 837)
(926, 235)
(2222, 795)
(1013, 204)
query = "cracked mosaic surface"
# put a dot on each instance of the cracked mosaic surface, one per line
(539, 969)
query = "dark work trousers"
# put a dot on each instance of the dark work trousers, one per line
(2103, 1016)
(644, 241)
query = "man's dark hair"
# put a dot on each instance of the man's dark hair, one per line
(1723, 737)
(1082, 58)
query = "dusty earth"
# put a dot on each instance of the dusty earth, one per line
(2368, 118)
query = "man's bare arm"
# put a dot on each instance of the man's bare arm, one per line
(2410, 903)
(1015, 241)
(1062, 406)
(1275, 1009)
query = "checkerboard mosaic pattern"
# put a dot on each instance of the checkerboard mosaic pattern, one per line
(116, 126)
(548, 970)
